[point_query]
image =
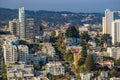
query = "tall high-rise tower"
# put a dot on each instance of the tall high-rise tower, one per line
(116, 31)
(109, 17)
(22, 23)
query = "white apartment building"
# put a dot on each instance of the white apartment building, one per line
(48, 49)
(20, 72)
(86, 76)
(10, 53)
(23, 53)
(9, 50)
(114, 52)
(115, 31)
(109, 17)
(55, 68)
(22, 23)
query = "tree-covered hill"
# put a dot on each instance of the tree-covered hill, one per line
(52, 17)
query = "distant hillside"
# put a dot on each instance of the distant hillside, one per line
(52, 17)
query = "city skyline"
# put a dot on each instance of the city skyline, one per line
(79, 5)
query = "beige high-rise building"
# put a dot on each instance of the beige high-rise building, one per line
(104, 25)
(109, 17)
(14, 27)
(10, 54)
(115, 31)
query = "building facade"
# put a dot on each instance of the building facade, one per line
(30, 28)
(86, 76)
(114, 52)
(55, 68)
(20, 72)
(109, 17)
(23, 53)
(48, 49)
(10, 54)
(22, 23)
(115, 31)
(14, 27)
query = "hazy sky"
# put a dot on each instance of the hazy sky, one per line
(63, 5)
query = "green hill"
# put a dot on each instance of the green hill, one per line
(52, 17)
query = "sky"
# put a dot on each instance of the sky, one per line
(63, 5)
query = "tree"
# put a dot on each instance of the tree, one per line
(53, 34)
(84, 48)
(117, 62)
(41, 27)
(85, 36)
(107, 39)
(81, 61)
(89, 63)
(4, 72)
(72, 31)
(69, 56)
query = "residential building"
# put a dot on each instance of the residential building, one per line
(39, 78)
(114, 78)
(92, 44)
(48, 49)
(86, 76)
(23, 53)
(83, 29)
(114, 52)
(46, 34)
(108, 63)
(97, 57)
(103, 75)
(14, 27)
(109, 17)
(30, 29)
(107, 20)
(39, 58)
(10, 50)
(72, 41)
(104, 25)
(20, 72)
(22, 23)
(115, 31)
(55, 68)
(10, 53)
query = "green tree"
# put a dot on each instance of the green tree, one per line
(117, 62)
(85, 36)
(72, 31)
(53, 34)
(4, 72)
(41, 27)
(81, 61)
(89, 63)
(69, 56)
(84, 48)
(107, 39)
